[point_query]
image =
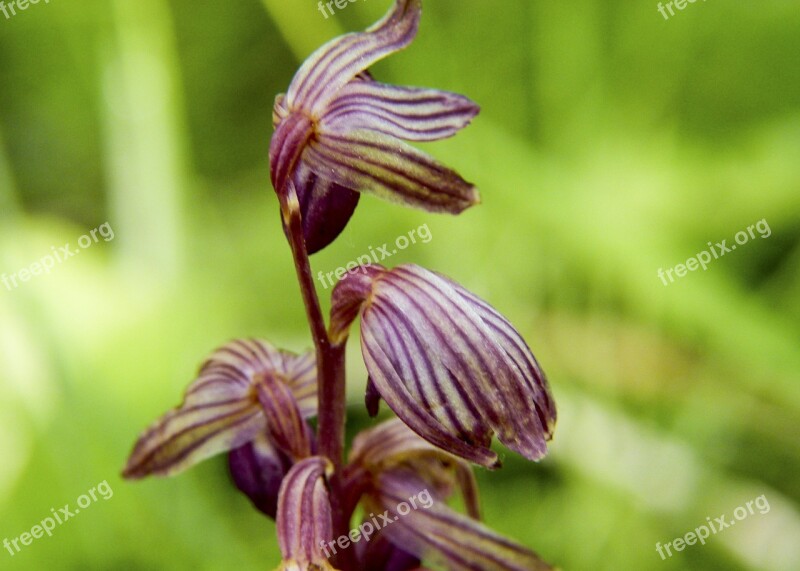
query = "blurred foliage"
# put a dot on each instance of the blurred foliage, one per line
(612, 143)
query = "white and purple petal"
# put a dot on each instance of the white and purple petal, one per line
(438, 534)
(368, 161)
(409, 113)
(447, 364)
(333, 65)
(228, 405)
(304, 515)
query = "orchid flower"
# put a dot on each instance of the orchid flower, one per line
(390, 464)
(338, 132)
(248, 397)
(454, 371)
(446, 362)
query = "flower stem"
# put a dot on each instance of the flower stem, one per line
(330, 358)
(331, 397)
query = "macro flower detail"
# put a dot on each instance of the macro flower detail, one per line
(245, 389)
(392, 464)
(339, 132)
(447, 363)
(455, 372)
(304, 516)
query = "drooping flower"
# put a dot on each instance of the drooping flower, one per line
(304, 516)
(338, 132)
(247, 393)
(409, 480)
(448, 364)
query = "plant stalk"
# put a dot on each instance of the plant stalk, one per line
(331, 396)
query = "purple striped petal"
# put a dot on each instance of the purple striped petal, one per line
(258, 468)
(221, 409)
(392, 444)
(408, 113)
(304, 515)
(371, 162)
(522, 356)
(337, 130)
(285, 148)
(440, 535)
(448, 364)
(389, 444)
(349, 296)
(333, 65)
(285, 423)
(203, 426)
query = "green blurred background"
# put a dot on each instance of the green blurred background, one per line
(612, 143)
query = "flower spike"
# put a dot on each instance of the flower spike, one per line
(446, 362)
(246, 388)
(339, 132)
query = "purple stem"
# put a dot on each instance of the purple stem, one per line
(330, 376)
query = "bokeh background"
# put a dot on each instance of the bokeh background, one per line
(612, 143)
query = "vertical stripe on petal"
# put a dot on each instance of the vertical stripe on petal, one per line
(304, 514)
(285, 424)
(481, 362)
(333, 65)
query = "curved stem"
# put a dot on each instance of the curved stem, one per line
(330, 358)
(331, 395)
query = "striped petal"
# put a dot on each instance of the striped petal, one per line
(333, 65)
(224, 408)
(304, 516)
(285, 423)
(518, 351)
(337, 133)
(388, 444)
(392, 444)
(440, 535)
(407, 113)
(285, 149)
(449, 365)
(212, 419)
(372, 162)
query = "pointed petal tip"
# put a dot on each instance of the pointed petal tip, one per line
(474, 197)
